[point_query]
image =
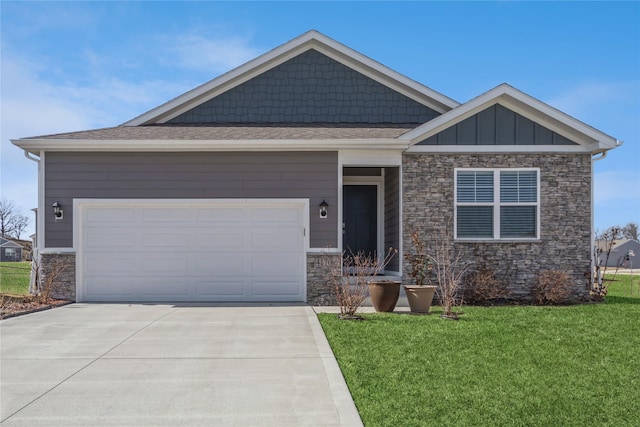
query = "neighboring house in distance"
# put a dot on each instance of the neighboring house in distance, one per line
(260, 178)
(10, 250)
(624, 253)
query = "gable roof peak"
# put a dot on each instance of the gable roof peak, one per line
(311, 39)
(526, 105)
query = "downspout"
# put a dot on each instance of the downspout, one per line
(35, 253)
(600, 156)
(27, 154)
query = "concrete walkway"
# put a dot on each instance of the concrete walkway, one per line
(169, 365)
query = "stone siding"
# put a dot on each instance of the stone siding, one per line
(63, 285)
(319, 288)
(565, 215)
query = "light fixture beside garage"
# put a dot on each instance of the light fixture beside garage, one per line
(57, 210)
(323, 209)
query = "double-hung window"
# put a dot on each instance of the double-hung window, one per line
(494, 204)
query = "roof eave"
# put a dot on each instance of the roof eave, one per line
(51, 145)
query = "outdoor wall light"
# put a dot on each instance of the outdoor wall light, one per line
(57, 210)
(323, 209)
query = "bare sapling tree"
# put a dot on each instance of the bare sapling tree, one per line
(630, 231)
(47, 277)
(604, 244)
(12, 222)
(351, 279)
(449, 267)
(419, 262)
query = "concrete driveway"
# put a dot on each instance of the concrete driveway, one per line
(168, 365)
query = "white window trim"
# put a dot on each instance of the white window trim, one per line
(496, 205)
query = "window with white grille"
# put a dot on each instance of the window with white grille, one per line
(495, 204)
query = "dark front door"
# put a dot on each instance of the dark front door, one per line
(360, 217)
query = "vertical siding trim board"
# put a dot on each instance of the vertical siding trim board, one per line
(392, 220)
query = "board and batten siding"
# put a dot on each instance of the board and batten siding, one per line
(497, 125)
(201, 175)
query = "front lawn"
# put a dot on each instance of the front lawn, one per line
(14, 277)
(500, 366)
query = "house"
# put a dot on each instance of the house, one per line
(624, 253)
(250, 186)
(10, 250)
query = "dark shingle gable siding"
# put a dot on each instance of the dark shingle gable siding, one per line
(310, 88)
(497, 125)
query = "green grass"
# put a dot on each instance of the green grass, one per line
(14, 277)
(500, 366)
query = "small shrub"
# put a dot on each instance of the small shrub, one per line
(552, 287)
(449, 268)
(350, 280)
(482, 287)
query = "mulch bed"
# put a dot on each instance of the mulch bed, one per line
(15, 306)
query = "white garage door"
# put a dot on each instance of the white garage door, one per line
(197, 250)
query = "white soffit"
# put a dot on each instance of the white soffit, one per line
(525, 105)
(309, 40)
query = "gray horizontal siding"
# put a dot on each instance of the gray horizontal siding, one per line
(310, 88)
(497, 125)
(312, 175)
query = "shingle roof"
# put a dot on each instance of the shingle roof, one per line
(239, 132)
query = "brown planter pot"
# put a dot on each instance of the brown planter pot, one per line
(420, 297)
(384, 295)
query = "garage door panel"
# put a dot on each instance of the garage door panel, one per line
(108, 238)
(222, 215)
(109, 288)
(281, 215)
(177, 288)
(154, 265)
(273, 240)
(280, 288)
(221, 265)
(109, 215)
(170, 215)
(211, 290)
(193, 251)
(157, 239)
(222, 238)
(270, 264)
(96, 264)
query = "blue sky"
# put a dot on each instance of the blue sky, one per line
(79, 65)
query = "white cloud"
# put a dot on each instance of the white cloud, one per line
(35, 102)
(213, 55)
(33, 105)
(594, 101)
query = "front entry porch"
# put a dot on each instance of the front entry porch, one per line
(371, 212)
